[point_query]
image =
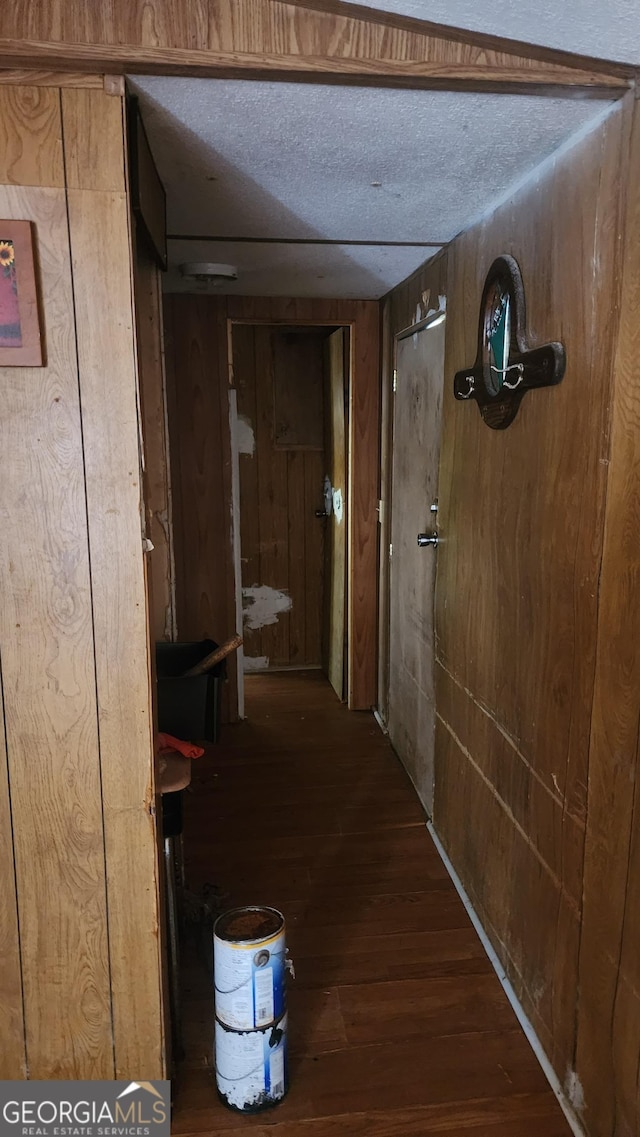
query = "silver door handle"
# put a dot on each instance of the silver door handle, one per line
(427, 539)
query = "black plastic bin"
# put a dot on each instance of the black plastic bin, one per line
(188, 708)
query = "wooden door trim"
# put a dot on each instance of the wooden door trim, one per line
(429, 75)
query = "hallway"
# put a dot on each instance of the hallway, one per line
(398, 1026)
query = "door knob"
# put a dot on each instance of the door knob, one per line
(321, 513)
(427, 539)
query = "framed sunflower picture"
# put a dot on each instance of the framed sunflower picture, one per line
(20, 335)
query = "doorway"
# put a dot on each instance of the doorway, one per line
(289, 432)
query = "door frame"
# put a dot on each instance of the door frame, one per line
(362, 318)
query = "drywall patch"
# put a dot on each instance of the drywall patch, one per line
(574, 1091)
(245, 437)
(262, 605)
(338, 505)
(256, 663)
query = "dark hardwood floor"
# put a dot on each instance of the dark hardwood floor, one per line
(397, 1024)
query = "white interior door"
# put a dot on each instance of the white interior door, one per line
(417, 413)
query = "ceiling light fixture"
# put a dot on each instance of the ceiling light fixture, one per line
(208, 272)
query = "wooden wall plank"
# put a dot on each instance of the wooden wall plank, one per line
(297, 528)
(55, 79)
(314, 541)
(33, 113)
(244, 379)
(13, 1059)
(195, 434)
(91, 121)
(226, 551)
(99, 234)
(608, 1052)
(364, 467)
(272, 519)
(48, 676)
(197, 381)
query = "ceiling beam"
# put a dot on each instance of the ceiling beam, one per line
(204, 238)
(483, 40)
(354, 71)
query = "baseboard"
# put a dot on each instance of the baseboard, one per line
(547, 1069)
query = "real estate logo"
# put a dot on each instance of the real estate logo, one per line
(85, 1109)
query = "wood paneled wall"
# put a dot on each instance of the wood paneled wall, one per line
(198, 411)
(536, 603)
(197, 376)
(81, 994)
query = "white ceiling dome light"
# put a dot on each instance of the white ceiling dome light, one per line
(208, 274)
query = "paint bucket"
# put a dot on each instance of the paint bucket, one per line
(249, 968)
(251, 1066)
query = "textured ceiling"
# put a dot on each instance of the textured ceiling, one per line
(608, 30)
(299, 161)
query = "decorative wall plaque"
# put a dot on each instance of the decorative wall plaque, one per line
(20, 338)
(505, 368)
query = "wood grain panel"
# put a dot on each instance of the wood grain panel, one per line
(314, 539)
(198, 401)
(49, 685)
(101, 261)
(519, 632)
(484, 41)
(92, 122)
(364, 466)
(608, 1052)
(272, 519)
(30, 137)
(298, 376)
(57, 79)
(235, 37)
(149, 335)
(244, 379)
(296, 530)
(523, 515)
(13, 1059)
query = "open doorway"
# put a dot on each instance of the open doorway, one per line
(289, 431)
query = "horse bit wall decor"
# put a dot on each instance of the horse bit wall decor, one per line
(505, 368)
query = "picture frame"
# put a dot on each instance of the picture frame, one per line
(20, 330)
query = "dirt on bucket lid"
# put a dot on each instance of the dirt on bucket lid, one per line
(249, 924)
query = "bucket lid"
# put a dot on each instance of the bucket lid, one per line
(248, 925)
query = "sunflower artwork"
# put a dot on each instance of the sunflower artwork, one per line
(10, 328)
(20, 331)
